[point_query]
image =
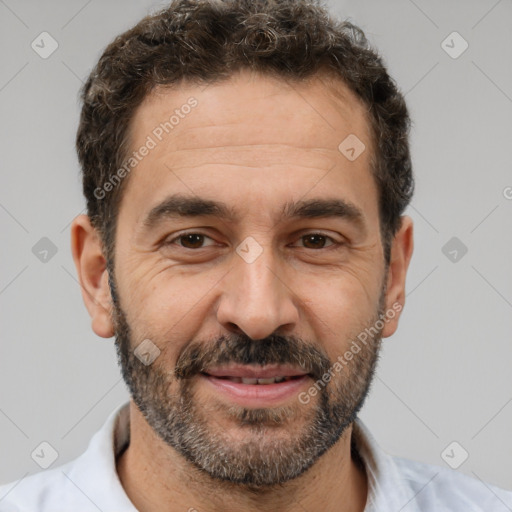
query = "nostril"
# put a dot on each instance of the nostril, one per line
(235, 327)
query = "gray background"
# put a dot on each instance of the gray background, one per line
(443, 377)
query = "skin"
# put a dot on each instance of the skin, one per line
(254, 143)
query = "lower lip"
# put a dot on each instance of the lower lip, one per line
(257, 395)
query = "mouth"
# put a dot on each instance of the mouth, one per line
(256, 386)
(255, 380)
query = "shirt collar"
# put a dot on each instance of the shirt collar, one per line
(387, 489)
(94, 472)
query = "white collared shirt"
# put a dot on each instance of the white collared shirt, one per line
(90, 482)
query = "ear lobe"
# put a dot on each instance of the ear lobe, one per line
(401, 253)
(92, 275)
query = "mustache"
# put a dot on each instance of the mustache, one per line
(240, 349)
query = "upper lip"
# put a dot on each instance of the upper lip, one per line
(255, 372)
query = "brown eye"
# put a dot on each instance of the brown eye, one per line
(189, 241)
(315, 241)
(192, 241)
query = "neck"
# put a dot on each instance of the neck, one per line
(155, 477)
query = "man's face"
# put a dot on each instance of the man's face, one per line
(260, 294)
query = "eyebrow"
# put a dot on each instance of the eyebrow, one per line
(182, 206)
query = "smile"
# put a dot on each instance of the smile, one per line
(256, 386)
(250, 380)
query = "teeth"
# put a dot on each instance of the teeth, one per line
(271, 380)
(250, 380)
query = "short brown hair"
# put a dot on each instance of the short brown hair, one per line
(203, 41)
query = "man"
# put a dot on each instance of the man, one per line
(246, 168)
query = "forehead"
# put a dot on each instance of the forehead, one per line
(260, 106)
(249, 138)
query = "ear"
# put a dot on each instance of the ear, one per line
(91, 267)
(401, 252)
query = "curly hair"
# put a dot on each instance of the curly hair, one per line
(207, 41)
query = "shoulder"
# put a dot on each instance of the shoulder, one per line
(86, 483)
(447, 490)
(397, 483)
(40, 491)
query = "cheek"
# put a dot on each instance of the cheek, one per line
(170, 306)
(340, 307)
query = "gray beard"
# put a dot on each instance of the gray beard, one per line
(267, 455)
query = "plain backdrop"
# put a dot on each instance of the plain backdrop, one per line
(445, 376)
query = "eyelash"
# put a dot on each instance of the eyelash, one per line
(182, 235)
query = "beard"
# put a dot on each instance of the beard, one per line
(269, 446)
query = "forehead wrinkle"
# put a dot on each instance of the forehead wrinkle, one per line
(273, 146)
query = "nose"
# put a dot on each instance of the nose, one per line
(257, 298)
